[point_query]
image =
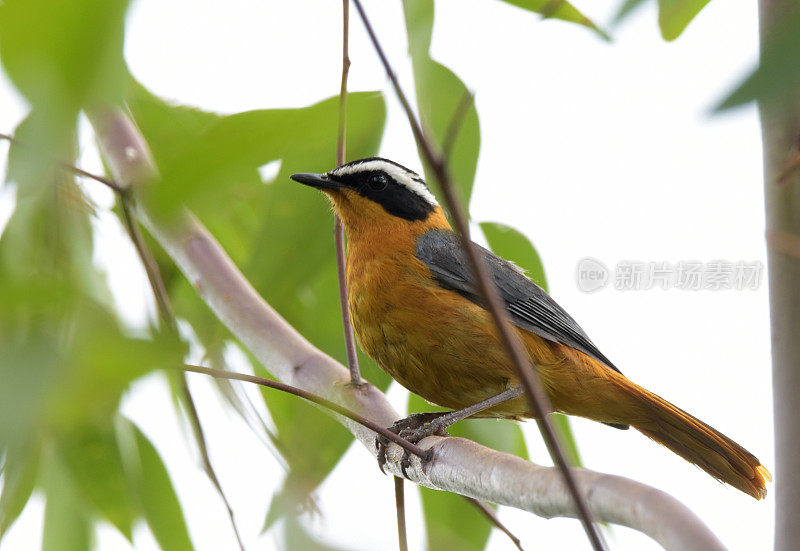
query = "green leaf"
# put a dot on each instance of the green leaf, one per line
(62, 55)
(49, 234)
(445, 104)
(625, 10)
(20, 472)
(675, 15)
(558, 9)
(777, 76)
(29, 372)
(514, 246)
(150, 482)
(297, 537)
(92, 456)
(67, 525)
(451, 521)
(99, 363)
(566, 438)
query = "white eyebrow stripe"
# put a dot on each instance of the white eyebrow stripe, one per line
(404, 177)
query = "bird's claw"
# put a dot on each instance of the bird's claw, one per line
(413, 428)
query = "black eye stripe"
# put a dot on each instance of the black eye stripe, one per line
(396, 198)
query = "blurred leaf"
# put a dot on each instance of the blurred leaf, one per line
(29, 373)
(298, 538)
(62, 55)
(100, 364)
(558, 9)
(67, 525)
(777, 75)
(673, 15)
(211, 163)
(312, 441)
(451, 521)
(20, 472)
(507, 242)
(49, 234)
(92, 455)
(150, 482)
(625, 10)
(441, 99)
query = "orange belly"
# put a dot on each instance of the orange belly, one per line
(444, 348)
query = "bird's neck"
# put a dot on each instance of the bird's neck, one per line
(389, 234)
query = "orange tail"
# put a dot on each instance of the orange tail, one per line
(700, 444)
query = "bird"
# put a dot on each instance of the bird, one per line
(416, 310)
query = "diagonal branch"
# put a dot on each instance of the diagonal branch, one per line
(540, 404)
(458, 465)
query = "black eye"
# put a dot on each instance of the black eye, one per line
(377, 182)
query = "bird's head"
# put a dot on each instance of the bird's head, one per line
(376, 194)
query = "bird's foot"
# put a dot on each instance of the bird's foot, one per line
(413, 428)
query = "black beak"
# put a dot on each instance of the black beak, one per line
(319, 181)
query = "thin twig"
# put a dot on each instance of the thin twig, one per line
(455, 125)
(327, 404)
(539, 402)
(400, 505)
(489, 513)
(150, 266)
(69, 166)
(338, 227)
(167, 316)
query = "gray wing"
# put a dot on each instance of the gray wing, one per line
(528, 305)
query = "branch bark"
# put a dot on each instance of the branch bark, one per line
(780, 127)
(458, 465)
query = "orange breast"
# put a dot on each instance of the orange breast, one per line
(444, 347)
(431, 340)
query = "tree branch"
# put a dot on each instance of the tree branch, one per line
(457, 465)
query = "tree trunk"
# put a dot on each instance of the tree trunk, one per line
(780, 123)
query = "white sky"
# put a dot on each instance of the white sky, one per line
(590, 149)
